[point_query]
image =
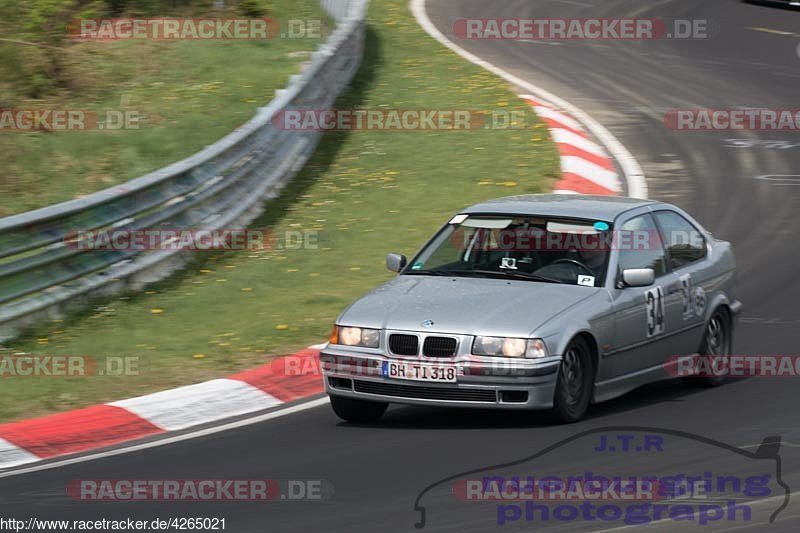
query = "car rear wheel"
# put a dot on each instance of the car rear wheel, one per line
(360, 411)
(574, 384)
(714, 350)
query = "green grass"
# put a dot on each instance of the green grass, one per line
(190, 94)
(366, 193)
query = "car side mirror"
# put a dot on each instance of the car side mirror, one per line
(395, 262)
(638, 277)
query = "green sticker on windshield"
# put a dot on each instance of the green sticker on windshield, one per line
(416, 266)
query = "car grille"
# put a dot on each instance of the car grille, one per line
(439, 347)
(404, 344)
(425, 393)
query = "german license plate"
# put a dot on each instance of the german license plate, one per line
(419, 372)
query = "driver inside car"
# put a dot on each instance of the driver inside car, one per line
(595, 260)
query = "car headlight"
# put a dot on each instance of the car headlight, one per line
(509, 347)
(353, 336)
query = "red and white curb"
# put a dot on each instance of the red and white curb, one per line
(586, 167)
(281, 381)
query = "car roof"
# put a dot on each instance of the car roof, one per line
(560, 205)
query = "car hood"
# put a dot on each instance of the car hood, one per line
(468, 306)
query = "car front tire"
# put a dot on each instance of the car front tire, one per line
(574, 383)
(359, 411)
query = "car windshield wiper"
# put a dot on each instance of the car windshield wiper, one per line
(516, 274)
(479, 272)
(431, 272)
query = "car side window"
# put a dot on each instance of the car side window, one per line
(685, 243)
(640, 246)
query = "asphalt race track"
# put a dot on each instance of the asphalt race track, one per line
(376, 473)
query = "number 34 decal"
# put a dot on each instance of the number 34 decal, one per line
(655, 311)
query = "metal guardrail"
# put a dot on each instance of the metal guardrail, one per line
(341, 9)
(222, 186)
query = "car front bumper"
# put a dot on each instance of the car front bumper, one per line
(481, 383)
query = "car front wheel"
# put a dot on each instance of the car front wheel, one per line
(360, 411)
(574, 384)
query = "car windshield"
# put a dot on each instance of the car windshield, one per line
(531, 248)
